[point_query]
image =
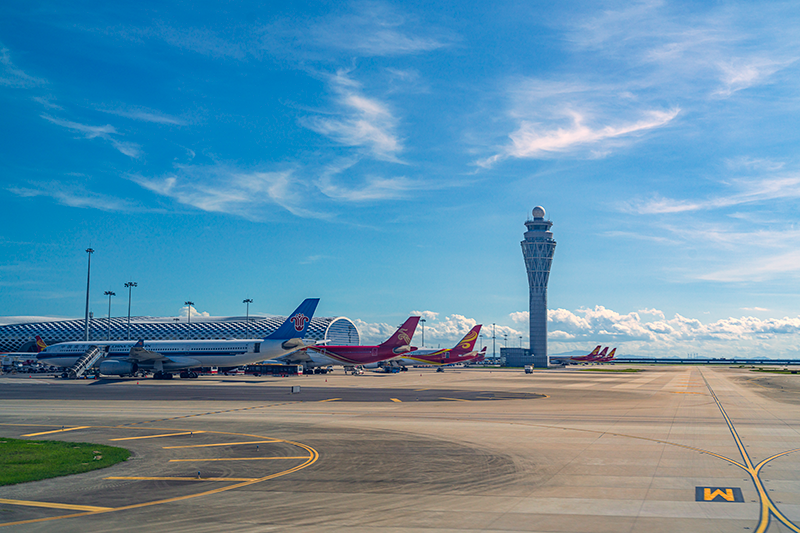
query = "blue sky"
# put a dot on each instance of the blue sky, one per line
(384, 157)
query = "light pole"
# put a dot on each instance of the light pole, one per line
(505, 341)
(108, 322)
(130, 286)
(88, 276)
(422, 320)
(493, 337)
(190, 304)
(247, 301)
(520, 341)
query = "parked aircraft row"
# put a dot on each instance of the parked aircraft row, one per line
(285, 345)
(596, 356)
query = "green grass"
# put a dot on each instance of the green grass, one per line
(611, 370)
(32, 460)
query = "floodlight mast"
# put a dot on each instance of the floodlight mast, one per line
(130, 285)
(108, 322)
(88, 277)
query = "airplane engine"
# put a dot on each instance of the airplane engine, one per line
(118, 368)
(402, 349)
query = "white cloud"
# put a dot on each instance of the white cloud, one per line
(11, 76)
(184, 312)
(427, 315)
(107, 133)
(363, 122)
(225, 189)
(145, 115)
(658, 336)
(373, 188)
(749, 191)
(75, 196)
(375, 29)
(534, 140)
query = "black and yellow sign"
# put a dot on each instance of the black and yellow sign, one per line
(718, 494)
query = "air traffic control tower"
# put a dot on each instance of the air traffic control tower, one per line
(538, 249)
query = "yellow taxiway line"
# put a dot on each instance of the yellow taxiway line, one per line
(237, 459)
(455, 399)
(219, 444)
(144, 478)
(53, 505)
(157, 436)
(54, 431)
(329, 400)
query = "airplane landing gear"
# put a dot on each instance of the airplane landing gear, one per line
(188, 374)
(162, 375)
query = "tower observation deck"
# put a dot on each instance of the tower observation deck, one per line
(538, 249)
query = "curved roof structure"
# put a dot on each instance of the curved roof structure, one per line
(21, 337)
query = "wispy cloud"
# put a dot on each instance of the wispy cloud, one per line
(757, 269)
(536, 140)
(374, 29)
(373, 188)
(359, 29)
(717, 51)
(750, 191)
(222, 188)
(362, 121)
(108, 133)
(76, 196)
(144, 115)
(11, 75)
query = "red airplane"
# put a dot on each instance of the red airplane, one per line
(460, 353)
(589, 358)
(607, 358)
(320, 357)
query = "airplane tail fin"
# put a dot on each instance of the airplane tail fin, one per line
(603, 353)
(596, 349)
(403, 335)
(611, 355)
(467, 344)
(297, 324)
(40, 345)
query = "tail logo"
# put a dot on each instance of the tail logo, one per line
(467, 341)
(403, 336)
(299, 320)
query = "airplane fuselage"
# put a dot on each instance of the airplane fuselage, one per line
(184, 354)
(349, 355)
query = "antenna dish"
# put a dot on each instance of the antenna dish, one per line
(538, 212)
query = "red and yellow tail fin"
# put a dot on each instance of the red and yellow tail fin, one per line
(596, 349)
(40, 345)
(611, 355)
(467, 344)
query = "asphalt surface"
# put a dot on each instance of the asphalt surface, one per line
(568, 451)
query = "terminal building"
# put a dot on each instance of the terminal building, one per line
(21, 337)
(538, 248)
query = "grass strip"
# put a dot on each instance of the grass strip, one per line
(32, 460)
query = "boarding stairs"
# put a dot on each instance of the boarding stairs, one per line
(87, 361)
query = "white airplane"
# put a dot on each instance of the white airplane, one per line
(128, 357)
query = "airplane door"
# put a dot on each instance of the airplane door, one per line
(257, 348)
